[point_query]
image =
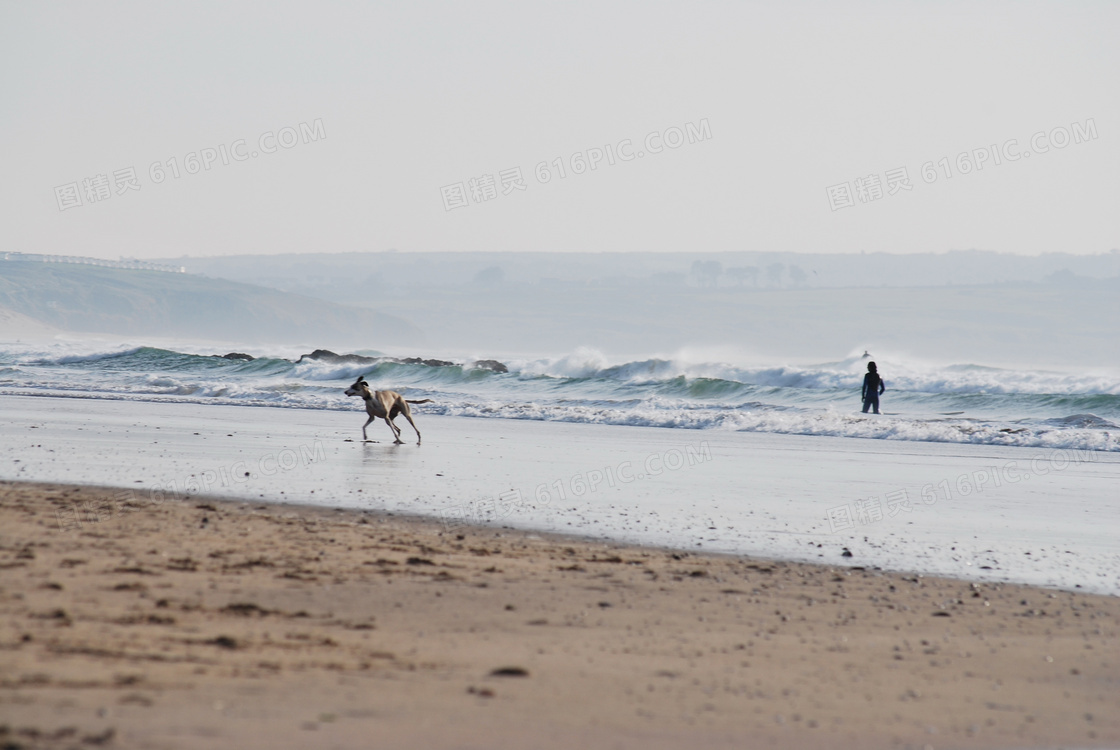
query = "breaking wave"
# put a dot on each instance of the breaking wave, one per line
(963, 403)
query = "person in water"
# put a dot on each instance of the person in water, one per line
(873, 387)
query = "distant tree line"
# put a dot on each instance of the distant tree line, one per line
(707, 274)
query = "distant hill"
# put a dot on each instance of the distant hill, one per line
(140, 302)
(973, 306)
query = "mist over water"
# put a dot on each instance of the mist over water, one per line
(957, 403)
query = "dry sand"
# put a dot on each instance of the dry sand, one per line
(223, 624)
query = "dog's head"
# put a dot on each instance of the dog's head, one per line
(360, 388)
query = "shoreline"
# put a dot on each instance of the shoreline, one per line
(246, 624)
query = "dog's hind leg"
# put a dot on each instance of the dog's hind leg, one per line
(396, 432)
(409, 418)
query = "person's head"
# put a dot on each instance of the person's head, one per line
(871, 367)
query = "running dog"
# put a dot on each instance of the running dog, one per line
(384, 405)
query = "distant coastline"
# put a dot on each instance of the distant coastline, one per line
(128, 263)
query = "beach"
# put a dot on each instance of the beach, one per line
(233, 624)
(175, 574)
(784, 418)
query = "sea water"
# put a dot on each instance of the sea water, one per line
(926, 402)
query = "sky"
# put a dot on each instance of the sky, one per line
(155, 130)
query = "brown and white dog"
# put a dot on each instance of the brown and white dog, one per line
(384, 405)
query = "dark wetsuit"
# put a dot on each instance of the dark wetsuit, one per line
(872, 388)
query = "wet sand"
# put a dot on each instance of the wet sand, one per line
(226, 624)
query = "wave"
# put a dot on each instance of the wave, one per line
(954, 403)
(77, 358)
(714, 378)
(847, 374)
(1084, 421)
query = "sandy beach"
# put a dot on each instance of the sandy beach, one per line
(232, 624)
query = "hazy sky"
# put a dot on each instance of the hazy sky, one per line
(368, 126)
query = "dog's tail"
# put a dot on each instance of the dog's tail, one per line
(421, 401)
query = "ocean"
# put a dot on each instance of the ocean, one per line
(943, 403)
